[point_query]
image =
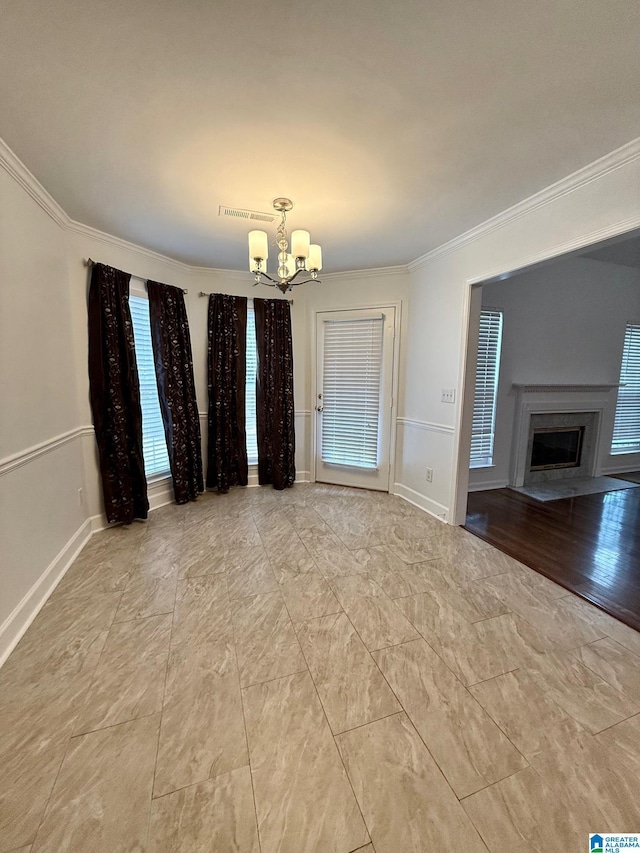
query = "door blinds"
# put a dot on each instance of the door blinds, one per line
(351, 384)
(484, 404)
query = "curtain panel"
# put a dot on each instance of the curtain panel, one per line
(227, 355)
(115, 396)
(176, 388)
(274, 393)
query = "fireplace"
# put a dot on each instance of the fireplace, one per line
(557, 431)
(556, 447)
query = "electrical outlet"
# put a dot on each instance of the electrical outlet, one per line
(448, 395)
(429, 475)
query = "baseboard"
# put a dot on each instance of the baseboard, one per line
(252, 481)
(428, 505)
(488, 484)
(624, 468)
(26, 610)
(159, 493)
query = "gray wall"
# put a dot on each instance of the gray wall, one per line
(563, 324)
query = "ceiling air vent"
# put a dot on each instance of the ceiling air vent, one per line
(238, 213)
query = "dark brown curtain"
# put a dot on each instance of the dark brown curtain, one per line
(227, 443)
(274, 400)
(176, 388)
(115, 396)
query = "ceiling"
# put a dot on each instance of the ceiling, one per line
(624, 252)
(393, 126)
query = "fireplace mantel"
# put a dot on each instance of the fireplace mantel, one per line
(525, 388)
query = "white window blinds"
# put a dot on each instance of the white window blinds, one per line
(352, 366)
(154, 446)
(626, 429)
(486, 390)
(250, 405)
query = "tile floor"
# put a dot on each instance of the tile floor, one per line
(323, 670)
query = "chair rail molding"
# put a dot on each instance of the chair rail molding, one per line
(428, 426)
(23, 457)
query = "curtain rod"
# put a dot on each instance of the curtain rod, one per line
(202, 293)
(89, 262)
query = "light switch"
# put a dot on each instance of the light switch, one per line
(448, 395)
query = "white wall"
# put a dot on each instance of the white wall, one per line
(593, 205)
(41, 466)
(563, 323)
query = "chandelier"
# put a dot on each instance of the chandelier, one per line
(304, 257)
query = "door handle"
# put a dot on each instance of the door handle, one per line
(319, 408)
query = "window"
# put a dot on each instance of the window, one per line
(626, 428)
(154, 445)
(486, 392)
(352, 368)
(250, 405)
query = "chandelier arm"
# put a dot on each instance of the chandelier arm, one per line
(306, 281)
(296, 274)
(272, 280)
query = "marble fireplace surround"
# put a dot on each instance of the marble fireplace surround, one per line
(559, 405)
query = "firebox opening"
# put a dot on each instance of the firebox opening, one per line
(556, 447)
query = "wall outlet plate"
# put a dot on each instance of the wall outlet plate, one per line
(429, 475)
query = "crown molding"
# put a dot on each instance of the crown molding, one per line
(622, 226)
(627, 153)
(587, 174)
(398, 269)
(19, 172)
(12, 164)
(120, 243)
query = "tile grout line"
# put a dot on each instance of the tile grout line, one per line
(71, 736)
(115, 725)
(464, 686)
(337, 749)
(571, 651)
(244, 723)
(613, 725)
(164, 692)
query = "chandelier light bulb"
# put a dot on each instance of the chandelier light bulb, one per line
(314, 260)
(300, 241)
(258, 246)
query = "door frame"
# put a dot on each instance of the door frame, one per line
(469, 347)
(395, 379)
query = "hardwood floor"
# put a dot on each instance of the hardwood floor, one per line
(588, 544)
